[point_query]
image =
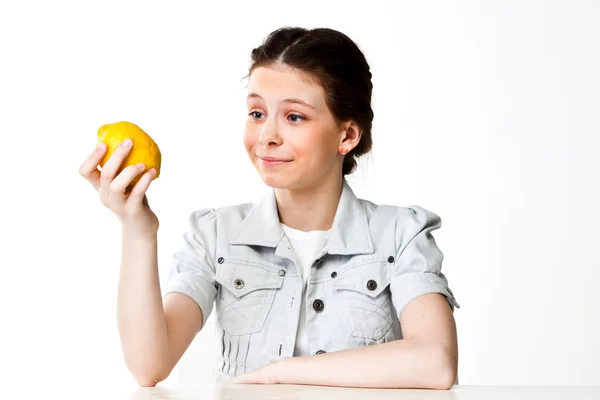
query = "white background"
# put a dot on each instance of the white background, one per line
(485, 112)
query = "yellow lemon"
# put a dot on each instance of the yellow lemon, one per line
(144, 149)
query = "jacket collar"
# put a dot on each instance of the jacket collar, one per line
(349, 234)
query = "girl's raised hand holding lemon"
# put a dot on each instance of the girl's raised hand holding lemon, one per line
(129, 160)
(122, 184)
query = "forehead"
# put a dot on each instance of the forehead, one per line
(278, 83)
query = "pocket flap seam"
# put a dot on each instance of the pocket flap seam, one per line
(253, 277)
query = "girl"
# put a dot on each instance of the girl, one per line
(311, 285)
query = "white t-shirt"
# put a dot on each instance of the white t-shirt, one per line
(306, 245)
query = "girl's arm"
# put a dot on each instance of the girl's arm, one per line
(154, 334)
(427, 357)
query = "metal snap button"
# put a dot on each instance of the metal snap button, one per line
(390, 259)
(318, 305)
(238, 283)
(321, 352)
(334, 274)
(220, 260)
(281, 272)
(371, 285)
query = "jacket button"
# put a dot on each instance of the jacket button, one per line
(220, 260)
(390, 259)
(321, 352)
(318, 305)
(281, 272)
(238, 283)
(371, 285)
(334, 274)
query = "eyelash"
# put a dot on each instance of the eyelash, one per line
(291, 115)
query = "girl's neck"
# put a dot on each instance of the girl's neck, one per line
(310, 208)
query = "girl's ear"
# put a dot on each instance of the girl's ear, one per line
(351, 134)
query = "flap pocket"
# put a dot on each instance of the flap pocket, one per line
(364, 299)
(241, 279)
(369, 279)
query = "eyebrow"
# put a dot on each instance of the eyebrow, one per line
(293, 101)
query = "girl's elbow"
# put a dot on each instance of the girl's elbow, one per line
(445, 381)
(143, 382)
(149, 377)
(447, 369)
(149, 380)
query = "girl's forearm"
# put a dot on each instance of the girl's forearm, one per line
(140, 313)
(397, 364)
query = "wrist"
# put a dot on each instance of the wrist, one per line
(136, 232)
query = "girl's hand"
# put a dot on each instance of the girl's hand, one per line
(132, 207)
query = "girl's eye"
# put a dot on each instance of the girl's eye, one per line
(253, 114)
(296, 118)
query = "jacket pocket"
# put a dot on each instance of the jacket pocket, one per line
(364, 297)
(245, 297)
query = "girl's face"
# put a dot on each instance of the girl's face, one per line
(290, 134)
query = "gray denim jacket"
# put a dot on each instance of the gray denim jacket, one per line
(378, 258)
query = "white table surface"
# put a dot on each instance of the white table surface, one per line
(228, 391)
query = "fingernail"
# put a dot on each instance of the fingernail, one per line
(100, 146)
(152, 172)
(140, 166)
(126, 143)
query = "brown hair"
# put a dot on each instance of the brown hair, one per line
(337, 64)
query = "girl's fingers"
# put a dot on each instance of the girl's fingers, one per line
(119, 185)
(112, 166)
(89, 168)
(136, 195)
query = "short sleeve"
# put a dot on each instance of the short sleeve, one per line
(192, 270)
(418, 262)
